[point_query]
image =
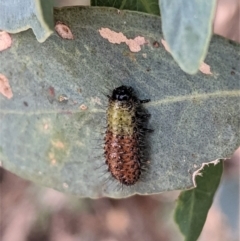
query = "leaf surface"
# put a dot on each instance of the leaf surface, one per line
(48, 136)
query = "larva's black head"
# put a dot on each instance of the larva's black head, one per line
(122, 93)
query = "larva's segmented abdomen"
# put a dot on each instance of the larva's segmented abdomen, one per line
(122, 157)
(124, 135)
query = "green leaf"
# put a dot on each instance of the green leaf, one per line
(187, 28)
(193, 205)
(147, 6)
(20, 15)
(55, 143)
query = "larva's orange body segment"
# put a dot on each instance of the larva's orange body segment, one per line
(123, 136)
(122, 157)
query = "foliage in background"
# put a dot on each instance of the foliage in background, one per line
(193, 205)
(147, 6)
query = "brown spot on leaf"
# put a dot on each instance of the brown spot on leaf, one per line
(63, 31)
(5, 88)
(25, 103)
(63, 98)
(53, 162)
(52, 158)
(156, 44)
(45, 125)
(51, 94)
(51, 91)
(205, 68)
(58, 144)
(96, 100)
(112, 36)
(5, 40)
(83, 107)
(140, 40)
(165, 45)
(118, 38)
(133, 46)
(131, 56)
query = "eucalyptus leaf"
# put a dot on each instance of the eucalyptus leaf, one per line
(20, 15)
(51, 130)
(187, 28)
(193, 205)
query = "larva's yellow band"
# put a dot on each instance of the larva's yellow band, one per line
(120, 119)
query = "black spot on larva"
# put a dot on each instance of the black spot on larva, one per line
(125, 134)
